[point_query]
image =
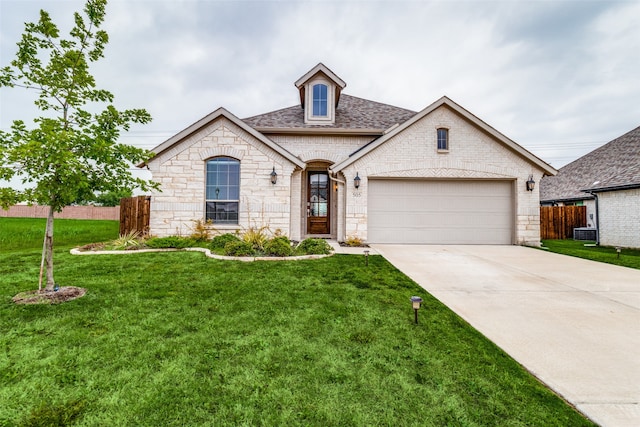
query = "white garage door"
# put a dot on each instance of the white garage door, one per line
(440, 212)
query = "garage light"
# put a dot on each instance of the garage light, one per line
(531, 184)
(274, 176)
(356, 181)
(415, 302)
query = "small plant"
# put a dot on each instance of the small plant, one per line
(220, 241)
(256, 237)
(239, 248)
(278, 246)
(353, 241)
(175, 242)
(315, 247)
(127, 241)
(201, 230)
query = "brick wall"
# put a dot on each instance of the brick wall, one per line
(620, 218)
(70, 212)
(472, 154)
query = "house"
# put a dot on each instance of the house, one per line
(338, 166)
(607, 181)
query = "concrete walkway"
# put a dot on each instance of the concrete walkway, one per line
(575, 324)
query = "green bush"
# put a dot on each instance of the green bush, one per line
(239, 248)
(220, 241)
(315, 247)
(278, 246)
(176, 242)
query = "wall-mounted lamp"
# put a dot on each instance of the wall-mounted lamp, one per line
(274, 176)
(531, 184)
(356, 181)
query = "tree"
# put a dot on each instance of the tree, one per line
(71, 152)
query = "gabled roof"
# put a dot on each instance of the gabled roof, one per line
(221, 112)
(320, 68)
(353, 115)
(615, 165)
(445, 101)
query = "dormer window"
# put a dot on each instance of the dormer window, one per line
(320, 100)
(320, 92)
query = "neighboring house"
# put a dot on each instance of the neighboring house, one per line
(338, 166)
(607, 181)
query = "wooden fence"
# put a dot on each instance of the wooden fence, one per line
(134, 214)
(558, 222)
(69, 212)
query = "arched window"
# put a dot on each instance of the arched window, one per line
(443, 139)
(320, 100)
(222, 190)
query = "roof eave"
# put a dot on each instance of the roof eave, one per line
(612, 188)
(547, 169)
(222, 112)
(318, 130)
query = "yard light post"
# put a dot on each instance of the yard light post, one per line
(415, 302)
(618, 250)
(366, 258)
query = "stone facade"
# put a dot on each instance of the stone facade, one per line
(363, 138)
(181, 173)
(620, 218)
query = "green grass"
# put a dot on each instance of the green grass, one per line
(181, 339)
(587, 250)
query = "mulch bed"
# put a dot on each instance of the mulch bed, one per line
(63, 294)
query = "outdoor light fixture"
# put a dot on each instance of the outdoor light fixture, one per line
(618, 250)
(274, 176)
(356, 181)
(415, 302)
(531, 184)
(366, 257)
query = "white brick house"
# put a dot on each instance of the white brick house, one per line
(339, 166)
(607, 181)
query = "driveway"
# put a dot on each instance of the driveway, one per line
(575, 324)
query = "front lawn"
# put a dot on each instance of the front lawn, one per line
(181, 339)
(588, 250)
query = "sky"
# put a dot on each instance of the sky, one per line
(560, 78)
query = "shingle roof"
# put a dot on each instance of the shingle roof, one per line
(615, 165)
(352, 113)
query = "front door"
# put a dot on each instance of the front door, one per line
(318, 203)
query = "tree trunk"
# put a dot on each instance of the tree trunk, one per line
(48, 251)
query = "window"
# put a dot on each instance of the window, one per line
(443, 139)
(320, 100)
(222, 190)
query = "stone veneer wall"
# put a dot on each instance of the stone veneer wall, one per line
(472, 154)
(181, 172)
(620, 218)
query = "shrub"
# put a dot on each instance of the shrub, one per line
(353, 241)
(220, 241)
(176, 242)
(239, 248)
(315, 247)
(278, 246)
(127, 241)
(256, 237)
(201, 230)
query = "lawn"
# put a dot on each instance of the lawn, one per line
(588, 250)
(181, 339)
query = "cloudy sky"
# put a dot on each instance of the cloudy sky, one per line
(559, 77)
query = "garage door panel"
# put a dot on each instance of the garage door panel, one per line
(440, 212)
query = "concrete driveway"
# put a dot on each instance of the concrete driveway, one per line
(575, 324)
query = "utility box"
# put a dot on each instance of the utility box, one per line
(584, 233)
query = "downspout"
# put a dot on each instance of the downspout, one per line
(595, 196)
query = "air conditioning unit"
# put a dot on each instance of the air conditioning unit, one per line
(584, 233)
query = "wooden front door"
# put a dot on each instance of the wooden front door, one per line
(318, 192)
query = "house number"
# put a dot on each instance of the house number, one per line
(356, 194)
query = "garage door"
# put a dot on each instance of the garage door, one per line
(440, 212)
